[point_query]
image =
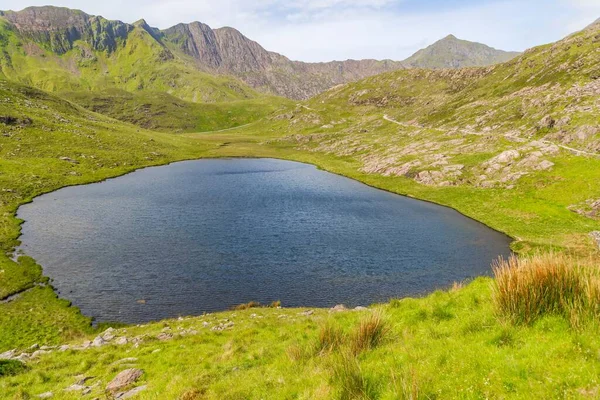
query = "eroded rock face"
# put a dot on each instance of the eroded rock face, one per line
(59, 28)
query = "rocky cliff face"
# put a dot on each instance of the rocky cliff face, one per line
(58, 28)
(226, 51)
(452, 52)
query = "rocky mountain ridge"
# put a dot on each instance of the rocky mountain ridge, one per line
(223, 51)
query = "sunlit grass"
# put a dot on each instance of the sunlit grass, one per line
(528, 288)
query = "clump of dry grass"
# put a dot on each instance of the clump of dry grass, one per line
(331, 337)
(547, 284)
(372, 330)
(256, 304)
(247, 306)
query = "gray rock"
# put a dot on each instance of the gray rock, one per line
(545, 165)
(360, 308)
(98, 342)
(38, 353)
(124, 379)
(505, 157)
(164, 336)
(132, 392)
(338, 308)
(121, 341)
(108, 334)
(46, 395)
(76, 388)
(8, 354)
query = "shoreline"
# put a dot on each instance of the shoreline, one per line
(225, 157)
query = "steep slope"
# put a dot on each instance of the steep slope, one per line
(227, 51)
(62, 49)
(452, 52)
(59, 49)
(478, 139)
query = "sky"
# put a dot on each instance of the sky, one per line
(325, 30)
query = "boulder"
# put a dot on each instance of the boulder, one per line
(124, 379)
(338, 308)
(8, 354)
(98, 342)
(505, 157)
(132, 392)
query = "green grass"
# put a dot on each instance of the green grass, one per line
(547, 284)
(447, 345)
(163, 112)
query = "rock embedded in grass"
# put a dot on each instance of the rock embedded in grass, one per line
(124, 379)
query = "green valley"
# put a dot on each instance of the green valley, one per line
(514, 145)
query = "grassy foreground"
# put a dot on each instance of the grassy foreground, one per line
(448, 345)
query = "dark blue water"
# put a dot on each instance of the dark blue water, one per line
(205, 235)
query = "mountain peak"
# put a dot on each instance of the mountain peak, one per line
(451, 52)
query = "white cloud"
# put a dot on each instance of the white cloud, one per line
(321, 30)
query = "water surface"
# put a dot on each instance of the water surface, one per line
(204, 235)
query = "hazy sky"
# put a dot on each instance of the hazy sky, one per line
(322, 30)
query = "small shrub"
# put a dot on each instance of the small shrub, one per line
(372, 330)
(526, 289)
(11, 367)
(331, 337)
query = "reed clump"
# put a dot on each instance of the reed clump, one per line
(370, 333)
(529, 288)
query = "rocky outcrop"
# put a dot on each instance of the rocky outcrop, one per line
(57, 28)
(227, 51)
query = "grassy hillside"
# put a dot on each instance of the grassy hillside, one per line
(138, 64)
(515, 146)
(161, 111)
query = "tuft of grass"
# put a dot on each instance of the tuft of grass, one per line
(352, 383)
(247, 306)
(370, 333)
(531, 287)
(331, 337)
